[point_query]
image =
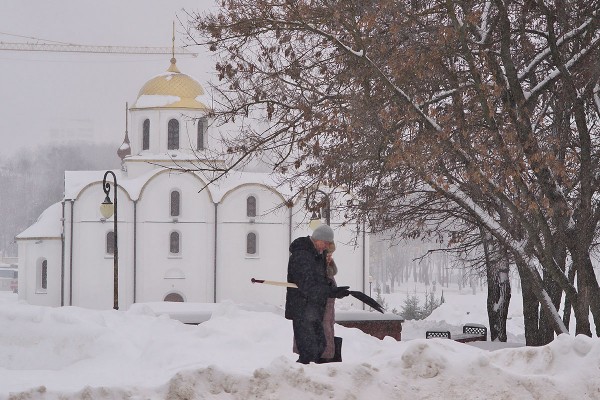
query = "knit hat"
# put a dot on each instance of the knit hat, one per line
(323, 232)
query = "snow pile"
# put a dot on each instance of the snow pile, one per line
(244, 352)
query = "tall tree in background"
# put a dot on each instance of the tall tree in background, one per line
(440, 116)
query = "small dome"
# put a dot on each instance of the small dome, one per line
(125, 148)
(171, 89)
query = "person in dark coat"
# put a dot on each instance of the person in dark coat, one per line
(333, 344)
(305, 305)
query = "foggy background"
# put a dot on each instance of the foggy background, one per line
(50, 97)
(66, 111)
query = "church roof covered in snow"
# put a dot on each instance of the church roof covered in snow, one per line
(48, 225)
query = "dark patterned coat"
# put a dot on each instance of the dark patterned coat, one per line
(329, 310)
(306, 268)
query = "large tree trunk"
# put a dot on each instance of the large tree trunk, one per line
(536, 331)
(587, 282)
(498, 285)
(554, 291)
(589, 293)
(546, 330)
(530, 309)
(499, 292)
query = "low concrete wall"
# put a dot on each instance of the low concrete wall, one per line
(372, 323)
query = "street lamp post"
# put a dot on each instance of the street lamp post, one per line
(107, 209)
(320, 207)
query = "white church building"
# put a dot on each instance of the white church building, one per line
(176, 240)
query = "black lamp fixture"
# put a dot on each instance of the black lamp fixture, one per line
(318, 202)
(107, 209)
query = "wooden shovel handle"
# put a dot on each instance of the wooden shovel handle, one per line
(274, 283)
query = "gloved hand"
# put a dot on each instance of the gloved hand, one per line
(340, 292)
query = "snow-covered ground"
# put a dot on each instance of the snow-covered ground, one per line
(244, 352)
(460, 307)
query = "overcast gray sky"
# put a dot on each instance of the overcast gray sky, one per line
(48, 97)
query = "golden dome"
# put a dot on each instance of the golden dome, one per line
(171, 89)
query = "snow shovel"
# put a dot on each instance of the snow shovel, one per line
(368, 300)
(354, 293)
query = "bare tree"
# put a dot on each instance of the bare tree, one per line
(440, 116)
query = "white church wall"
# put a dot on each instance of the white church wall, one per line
(158, 143)
(31, 254)
(25, 254)
(235, 266)
(161, 273)
(190, 273)
(93, 267)
(136, 168)
(159, 120)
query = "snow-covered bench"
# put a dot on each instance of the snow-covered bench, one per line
(471, 333)
(372, 323)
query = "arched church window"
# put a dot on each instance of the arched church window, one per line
(42, 275)
(251, 243)
(251, 206)
(202, 128)
(175, 297)
(110, 242)
(175, 203)
(146, 135)
(173, 135)
(174, 243)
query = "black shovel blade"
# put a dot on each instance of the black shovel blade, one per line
(367, 300)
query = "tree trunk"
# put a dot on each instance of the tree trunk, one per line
(589, 290)
(530, 308)
(568, 305)
(498, 300)
(535, 302)
(498, 284)
(546, 330)
(581, 308)
(554, 291)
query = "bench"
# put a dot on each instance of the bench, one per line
(438, 334)
(470, 333)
